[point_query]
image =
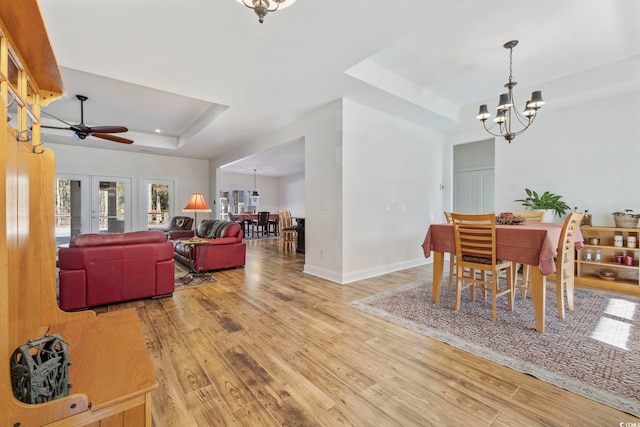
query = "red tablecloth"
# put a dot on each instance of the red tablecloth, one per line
(532, 243)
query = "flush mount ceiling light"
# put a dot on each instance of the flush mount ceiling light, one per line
(506, 114)
(262, 7)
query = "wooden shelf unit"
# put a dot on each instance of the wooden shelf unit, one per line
(628, 276)
(111, 372)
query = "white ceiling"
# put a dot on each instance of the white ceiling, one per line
(210, 77)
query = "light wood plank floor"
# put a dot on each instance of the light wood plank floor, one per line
(270, 346)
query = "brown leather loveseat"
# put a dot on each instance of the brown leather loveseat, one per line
(221, 247)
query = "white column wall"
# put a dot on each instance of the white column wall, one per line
(291, 194)
(392, 172)
(322, 133)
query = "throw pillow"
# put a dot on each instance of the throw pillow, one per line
(204, 229)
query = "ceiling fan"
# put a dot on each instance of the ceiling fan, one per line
(82, 131)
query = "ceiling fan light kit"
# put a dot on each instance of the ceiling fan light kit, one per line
(262, 7)
(506, 115)
(82, 131)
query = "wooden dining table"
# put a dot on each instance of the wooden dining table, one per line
(533, 244)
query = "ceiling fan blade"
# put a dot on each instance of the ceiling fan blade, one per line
(112, 138)
(108, 129)
(54, 127)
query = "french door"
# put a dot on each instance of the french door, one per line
(110, 204)
(91, 204)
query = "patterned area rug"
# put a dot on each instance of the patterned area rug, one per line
(183, 278)
(594, 352)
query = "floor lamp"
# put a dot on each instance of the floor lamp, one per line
(196, 204)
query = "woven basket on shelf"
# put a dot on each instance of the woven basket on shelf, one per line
(625, 221)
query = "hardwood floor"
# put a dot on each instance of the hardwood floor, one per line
(270, 346)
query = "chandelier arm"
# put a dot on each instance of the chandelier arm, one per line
(488, 129)
(521, 119)
(526, 126)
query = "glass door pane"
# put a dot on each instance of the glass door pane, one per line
(110, 205)
(157, 206)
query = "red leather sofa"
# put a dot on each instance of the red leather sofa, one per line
(98, 269)
(222, 246)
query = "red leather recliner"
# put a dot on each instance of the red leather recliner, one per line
(98, 269)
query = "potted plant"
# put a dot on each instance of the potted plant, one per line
(626, 219)
(546, 201)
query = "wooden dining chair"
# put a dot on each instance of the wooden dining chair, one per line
(529, 216)
(288, 231)
(475, 236)
(260, 225)
(562, 280)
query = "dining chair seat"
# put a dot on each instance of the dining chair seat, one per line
(481, 260)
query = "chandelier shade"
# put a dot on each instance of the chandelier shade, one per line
(510, 121)
(255, 195)
(262, 7)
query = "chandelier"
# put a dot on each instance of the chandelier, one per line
(262, 7)
(255, 195)
(506, 115)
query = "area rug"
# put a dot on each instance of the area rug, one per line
(594, 352)
(184, 278)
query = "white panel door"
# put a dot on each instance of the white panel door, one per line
(473, 191)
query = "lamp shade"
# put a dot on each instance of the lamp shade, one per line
(196, 204)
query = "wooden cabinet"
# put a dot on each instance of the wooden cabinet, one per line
(111, 372)
(625, 269)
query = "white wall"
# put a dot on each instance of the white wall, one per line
(392, 171)
(586, 152)
(291, 194)
(188, 175)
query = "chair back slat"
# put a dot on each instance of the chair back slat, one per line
(475, 235)
(531, 216)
